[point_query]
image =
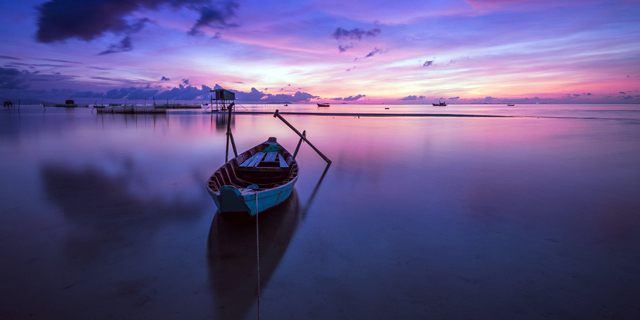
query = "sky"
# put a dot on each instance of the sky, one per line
(374, 51)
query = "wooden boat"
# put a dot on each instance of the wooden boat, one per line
(323, 104)
(439, 104)
(266, 172)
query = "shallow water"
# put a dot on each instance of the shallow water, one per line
(107, 217)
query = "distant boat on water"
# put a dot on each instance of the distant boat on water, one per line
(323, 105)
(510, 104)
(440, 104)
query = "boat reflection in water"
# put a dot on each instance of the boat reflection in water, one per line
(233, 268)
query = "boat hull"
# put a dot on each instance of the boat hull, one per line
(231, 202)
(244, 192)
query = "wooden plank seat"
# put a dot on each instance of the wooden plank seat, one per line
(260, 157)
(271, 156)
(283, 164)
(253, 160)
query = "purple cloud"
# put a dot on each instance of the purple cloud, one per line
(12, 78)
(123, 46)
(355, 34)
(214, 17)
(352, 98)
(427, 63)
(59, 20)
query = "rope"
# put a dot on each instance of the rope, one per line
(258, 253)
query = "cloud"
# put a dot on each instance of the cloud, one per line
(454, 98)
(164, 78)
(214, 17)
(9, 57)
(621, 92)
(374, 52)
(344, 48)
(427, 63)
(412, 98)
(62, 61)
(355, 34)
(59, 20)
(184, 93)
(352, 98)
(185, 81)
(123, 46)
(11, 78)
(88, 94)
(255, 95)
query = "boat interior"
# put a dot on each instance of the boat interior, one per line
(268, 169)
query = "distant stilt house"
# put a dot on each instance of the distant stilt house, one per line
(222, 99)
(67, 104)
(8, 104)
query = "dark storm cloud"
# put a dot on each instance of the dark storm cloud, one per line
(355, 34)
(123, 46)
(354, 98)
(59, 20)
(213, 17)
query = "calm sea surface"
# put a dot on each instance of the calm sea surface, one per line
(529, 217)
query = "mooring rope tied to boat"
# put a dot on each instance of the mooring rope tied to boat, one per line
(258, 253)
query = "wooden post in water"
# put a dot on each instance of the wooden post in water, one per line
(304, 133)
(277, 114)
(230, 137)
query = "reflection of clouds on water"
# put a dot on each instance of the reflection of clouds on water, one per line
(232, 255)
(104, 214)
